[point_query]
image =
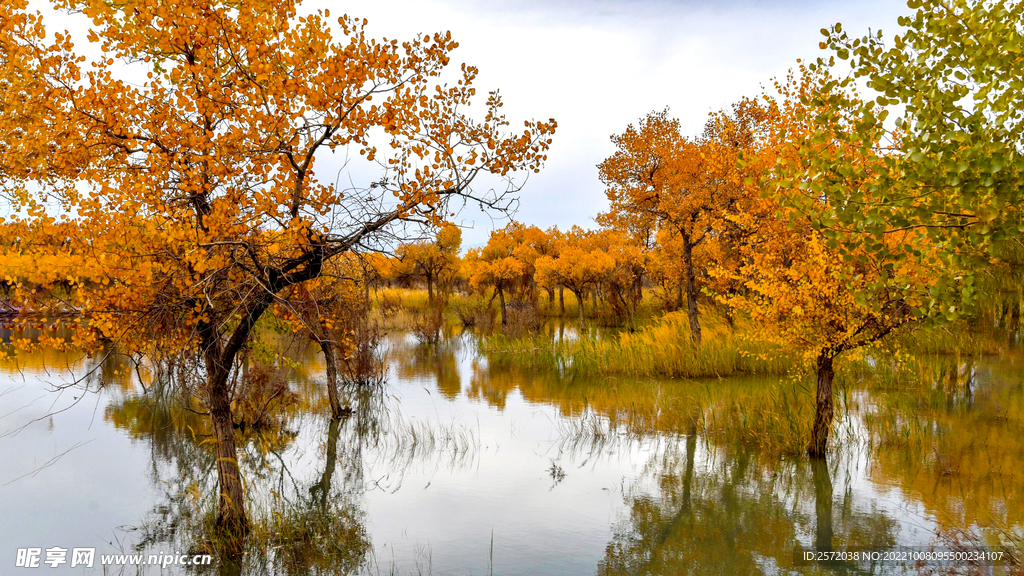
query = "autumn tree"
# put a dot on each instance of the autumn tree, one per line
(191, 189)
(624, 281)
(912, 209)
(800, 290)
(950, 165)
(495, 266)
(657, 179)
(532, 243)
(435, 261)
(579, 266)
(633, 243)
(668, 268)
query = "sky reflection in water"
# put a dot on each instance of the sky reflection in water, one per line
(466, 469)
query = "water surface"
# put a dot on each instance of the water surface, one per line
(463, 467)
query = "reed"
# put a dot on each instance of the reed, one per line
(967, 338)
(771, 414)
(660, 350)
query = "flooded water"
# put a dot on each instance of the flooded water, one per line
(463, 466)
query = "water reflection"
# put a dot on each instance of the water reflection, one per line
(461, 463)
(715, 515)
(437, 361)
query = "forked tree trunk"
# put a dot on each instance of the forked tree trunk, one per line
(231, 518)
(219, 357)
(691, 291)
(823, 406)
(630, 306)
(331, 363)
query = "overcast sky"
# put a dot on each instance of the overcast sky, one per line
(598, 65)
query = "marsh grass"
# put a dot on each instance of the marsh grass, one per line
(660, 350)
(407, 298)
(428, 324)
(474, 311)
(962, 337)
(775, 420)
(523, 319)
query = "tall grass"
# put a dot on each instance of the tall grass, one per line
(962, 337)
(407, 298)
(773, 415)
(663, 349)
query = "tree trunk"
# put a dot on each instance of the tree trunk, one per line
(691, 291)
(580, 298)
(219, 358)
(691, 448)
(822, 505)
(331, 362)
(322, 489)
(638, 293)
(231, 518)
(430, 287)
(630, 306)
(823, 408)
(561, 299)
(501, 302)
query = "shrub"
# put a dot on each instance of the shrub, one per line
(521, 319)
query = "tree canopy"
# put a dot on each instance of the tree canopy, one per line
(190, 200)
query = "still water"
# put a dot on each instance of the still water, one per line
(461, 466)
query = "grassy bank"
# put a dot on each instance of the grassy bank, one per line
(660, 350)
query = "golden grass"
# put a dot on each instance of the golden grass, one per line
(663, 349)
(407, 298)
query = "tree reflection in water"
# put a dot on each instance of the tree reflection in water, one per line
(716, 511)
(701, 504)
(301, 526)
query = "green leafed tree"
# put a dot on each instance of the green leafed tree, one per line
(943, 118)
